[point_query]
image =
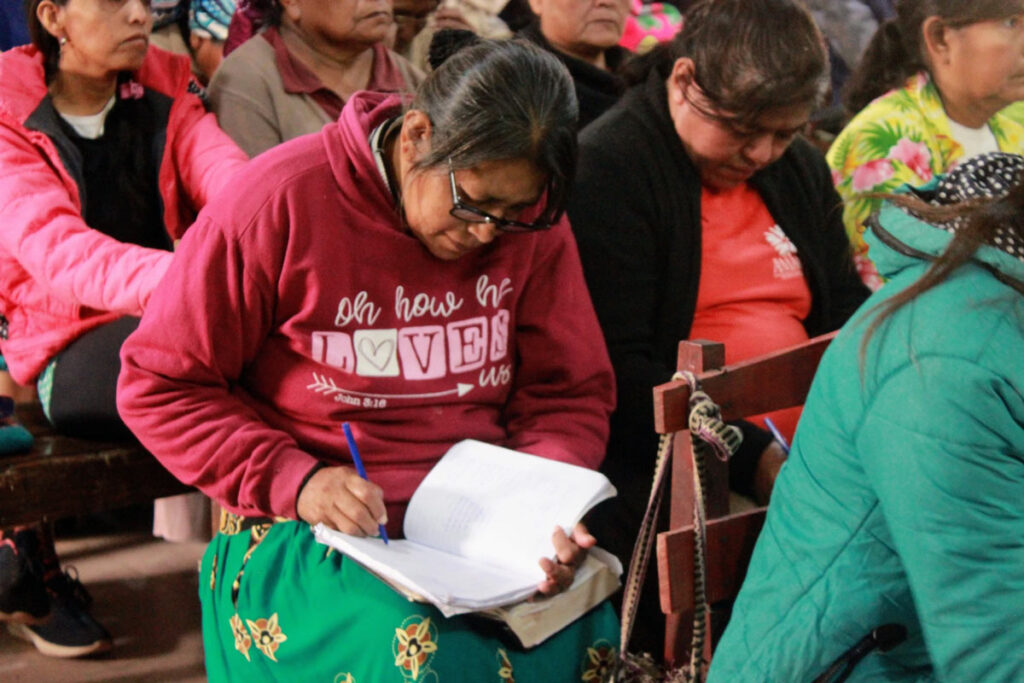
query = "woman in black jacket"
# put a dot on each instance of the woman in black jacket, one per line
(701, 213)
(584, 35)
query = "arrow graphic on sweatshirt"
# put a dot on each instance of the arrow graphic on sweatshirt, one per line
(326, 386)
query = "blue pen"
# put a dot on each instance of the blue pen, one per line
(358, 461)
(776, 433)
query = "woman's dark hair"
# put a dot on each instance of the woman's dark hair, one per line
(250, 17)
(269, 12)
(491, 100)
(41, 38)
(981, 220)
(897, 50)
(750, 56)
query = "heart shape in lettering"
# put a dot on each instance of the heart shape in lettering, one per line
(378, 354)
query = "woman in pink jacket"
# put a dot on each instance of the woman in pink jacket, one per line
(107, 154)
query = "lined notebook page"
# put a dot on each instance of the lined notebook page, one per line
(500, 506)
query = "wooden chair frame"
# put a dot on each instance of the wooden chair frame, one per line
(771, 382)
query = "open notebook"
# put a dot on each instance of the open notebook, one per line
(477, 525)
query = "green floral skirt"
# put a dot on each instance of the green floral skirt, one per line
(278, 606)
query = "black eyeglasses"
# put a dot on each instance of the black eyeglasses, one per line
(471, 214)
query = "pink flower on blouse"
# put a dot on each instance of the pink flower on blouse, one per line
(915, 155)
(872, 174)
(837, 177)
(868, 272)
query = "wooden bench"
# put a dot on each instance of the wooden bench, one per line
(771, 382)
(63, 476)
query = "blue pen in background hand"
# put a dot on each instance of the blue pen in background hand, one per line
(358, 462)
(775, 432)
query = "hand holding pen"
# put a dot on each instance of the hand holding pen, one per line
(357, 460)
(340, 498)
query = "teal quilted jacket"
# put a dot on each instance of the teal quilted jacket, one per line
(903, 498)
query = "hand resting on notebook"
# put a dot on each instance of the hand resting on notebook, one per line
(571, 551)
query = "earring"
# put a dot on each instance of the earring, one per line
(63, 40)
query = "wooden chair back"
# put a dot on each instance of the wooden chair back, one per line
(759, 385)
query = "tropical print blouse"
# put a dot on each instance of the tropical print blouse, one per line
(902, 137)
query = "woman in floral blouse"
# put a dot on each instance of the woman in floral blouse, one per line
(937, 85)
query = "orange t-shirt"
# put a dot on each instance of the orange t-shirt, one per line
(753, 295)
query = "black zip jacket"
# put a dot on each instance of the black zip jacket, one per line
(636, 214)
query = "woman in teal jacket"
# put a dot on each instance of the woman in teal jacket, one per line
(902, 502)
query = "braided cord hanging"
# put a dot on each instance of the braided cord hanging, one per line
(708, 435)
(642, 549)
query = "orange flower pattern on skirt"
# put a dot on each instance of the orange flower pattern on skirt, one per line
(256, 535)
(414, 646)
(242, 640)
(230, 523)
(267, 635)
(505, 672)
(247, 585)
(599, 661)
(213, 573)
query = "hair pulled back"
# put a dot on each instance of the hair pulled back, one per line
(491, 100)
(897, 50)
(261, 12)
(41, 38)
(749, 56)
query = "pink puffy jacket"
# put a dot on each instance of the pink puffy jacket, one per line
(59, 278)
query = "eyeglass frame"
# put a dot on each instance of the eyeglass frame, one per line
(471, 214)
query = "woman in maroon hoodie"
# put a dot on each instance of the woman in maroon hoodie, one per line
(408, 270)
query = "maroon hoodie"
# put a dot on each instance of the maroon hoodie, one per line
(301, 302)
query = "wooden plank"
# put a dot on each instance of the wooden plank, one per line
(738, 388)
(730, 544)
(34, 487)
(700, 355)
(64, 476)
(678, 632)
(716, 495)
(697, 356)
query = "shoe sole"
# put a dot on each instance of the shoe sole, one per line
(53, 650)
(24, 618)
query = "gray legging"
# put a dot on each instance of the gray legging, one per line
(83, 399)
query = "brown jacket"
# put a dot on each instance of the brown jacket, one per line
(253, 106)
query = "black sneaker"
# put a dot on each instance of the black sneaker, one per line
(23, 596)
(70, 631)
